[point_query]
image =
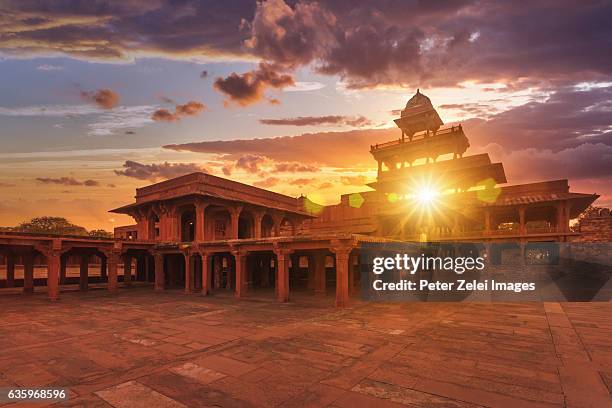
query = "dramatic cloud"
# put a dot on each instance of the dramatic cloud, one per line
(267, 183)
(366, 44)
(154, 172)
(294, 167)
(191, 108)
(353, 180)
(302, 182)
(311, 148)
(68, 181)
(104, 98)
(356, 121)
(248, 88)
(250, 163)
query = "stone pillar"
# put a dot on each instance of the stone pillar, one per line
(240, 264)
(127, 270)
(10, 270)
(257, 218)
(112, 262)
(28, 273)
(282, 274)
(188, 272)
(84, 272)
(206, 273)
(234, 218)
(487, 222)
(319, 272)
(53, 269)
(522, 228)
(103, 267)
(342, 275)
(200, 226)
(159, 272)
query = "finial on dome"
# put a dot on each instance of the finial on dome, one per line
(418, 91)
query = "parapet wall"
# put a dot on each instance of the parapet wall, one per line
(596, 226)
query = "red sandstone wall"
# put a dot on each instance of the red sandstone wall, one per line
(596, 227)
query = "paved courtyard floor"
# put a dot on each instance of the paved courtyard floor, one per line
(144, 349)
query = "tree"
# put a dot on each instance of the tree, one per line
(50, 225)
(100, 233)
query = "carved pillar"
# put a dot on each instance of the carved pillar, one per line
(234, 218)
(487, 222)
(10, 270)
(206, 273)
(200, 227)
(282, 273)
(188, 272)
(522, 228)
(342, 275)
(159, 272)
(127, 270)
(84, 272)
(53, 255)
(240, 265)
(319, 272)
(28, 273)
(112, 260)
(257, 218)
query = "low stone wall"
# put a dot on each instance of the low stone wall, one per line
(596, 227)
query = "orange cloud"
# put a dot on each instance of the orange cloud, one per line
(191, 108)
(104, 98)
(248, 88)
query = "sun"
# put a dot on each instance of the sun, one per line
(426, 195)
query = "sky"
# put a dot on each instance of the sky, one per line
(99, 97)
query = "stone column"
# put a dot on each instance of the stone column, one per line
(53, 269)
(522, 228)
(28, 273)
(188, 272)
(342, 275)
(240, 264)
(206, 273)
(127, 270)
(487, 222)
(10, 270)
(84, 273)
(200, 229)
(234, 218)
(159, 272)
(112, 262)
(319, 272)
(282, 274)
(257, 218)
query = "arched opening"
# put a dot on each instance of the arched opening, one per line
(246, 225)
(188, 219)
(287, 227)
(267, 226)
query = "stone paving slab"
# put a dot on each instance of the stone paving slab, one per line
(139, 348)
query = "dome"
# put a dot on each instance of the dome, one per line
(418, 102)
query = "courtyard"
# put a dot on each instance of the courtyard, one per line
(137, 348)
